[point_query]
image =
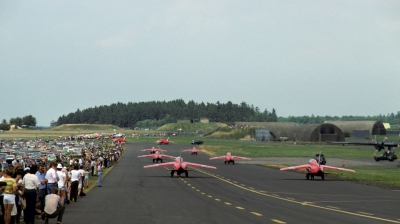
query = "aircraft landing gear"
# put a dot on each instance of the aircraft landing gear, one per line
(308, 176)
(160, 160)
(322, 177)
(225, 162)
(172, 173)
(233, 162)
(186, 173)
(153, 160)
(312, 177)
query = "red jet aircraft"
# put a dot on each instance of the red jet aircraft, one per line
(163, 141)
(315, 169)
(157, 156)
(193, 151)
(153, 150)
(229, 158)
(119, 139)
(179, 166)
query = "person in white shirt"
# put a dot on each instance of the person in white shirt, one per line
(31, 185)
(80, 185)
(51, 177)
(75, 176)
(62, 182)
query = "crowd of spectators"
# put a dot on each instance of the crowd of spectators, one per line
(42, 189)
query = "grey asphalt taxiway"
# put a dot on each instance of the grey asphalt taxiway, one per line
(240, 193)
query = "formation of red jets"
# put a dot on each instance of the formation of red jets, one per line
(313, 168)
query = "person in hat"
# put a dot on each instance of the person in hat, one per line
(62, 182)
(31, 185)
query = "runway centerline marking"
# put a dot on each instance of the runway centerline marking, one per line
(242, 186)
(278, 221)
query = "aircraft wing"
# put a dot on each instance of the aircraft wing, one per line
(200, 165)
(167, 156)
(218, 157)
(149, 155)
(335, 168)
(160, 165)
(296, 167)
(239, 157)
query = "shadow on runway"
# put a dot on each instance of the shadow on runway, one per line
(183, 177)
(316, 179)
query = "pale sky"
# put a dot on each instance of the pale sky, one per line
(300, 57)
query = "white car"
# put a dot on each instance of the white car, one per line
(119, 135)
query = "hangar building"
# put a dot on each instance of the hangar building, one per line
(302, 132)
(374, 127)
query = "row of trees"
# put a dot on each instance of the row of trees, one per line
(26, 121)
(160, 112)
(393, 119)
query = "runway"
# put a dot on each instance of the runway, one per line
(240, 193)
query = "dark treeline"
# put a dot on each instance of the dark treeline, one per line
(393, 119)
(131, 114)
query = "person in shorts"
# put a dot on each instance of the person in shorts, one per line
(62, 182)
(9, 193)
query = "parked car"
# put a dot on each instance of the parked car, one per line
(197, 142)
(51, 158)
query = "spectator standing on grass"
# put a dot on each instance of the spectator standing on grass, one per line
(92, 164)
(41, 173)
(86, 181)
(31, 184)
(99, 173)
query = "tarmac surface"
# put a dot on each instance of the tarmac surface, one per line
(242, 193)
